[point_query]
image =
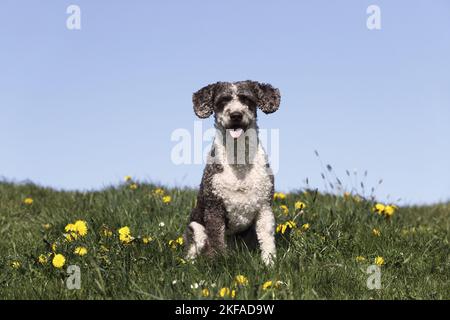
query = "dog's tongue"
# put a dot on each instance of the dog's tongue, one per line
(236, 133)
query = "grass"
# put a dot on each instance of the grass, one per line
(318, 263)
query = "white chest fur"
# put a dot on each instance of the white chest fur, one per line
(244, 191)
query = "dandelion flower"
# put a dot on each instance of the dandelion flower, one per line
(279, 196)
(81, 251)
(379, 208)
(241, 280)
(379, 261)
(127, 178)
(133, 186)
(15, 264)
(167, 199)
(224, 292)
(28, 201)
(54, 246)
(42, 259)
(46, 226)
(70, 227)
(376, 232)
(389, 211)
(300, 205)
(306, 226)
(58, 261)
(125, 235)
(360, 259)
(233, 293)
(266, 285)
(285, 209)
(81, 227)
(158, 192)
(106, 232)
(146, 240)
(180, 241)
(290, 224)
(205, 292)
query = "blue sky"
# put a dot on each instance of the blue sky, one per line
(81, 109)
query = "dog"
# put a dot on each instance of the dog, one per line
(236, 193)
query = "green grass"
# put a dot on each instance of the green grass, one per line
(318, 263)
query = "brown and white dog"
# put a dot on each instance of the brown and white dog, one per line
(236, 192)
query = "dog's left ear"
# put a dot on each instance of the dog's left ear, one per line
(268, 97)
(203, 101)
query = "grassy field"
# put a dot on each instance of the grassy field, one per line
(317, 258)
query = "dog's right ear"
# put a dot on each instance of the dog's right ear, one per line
(203, 101)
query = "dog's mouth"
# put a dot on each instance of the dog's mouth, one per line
(235, 133)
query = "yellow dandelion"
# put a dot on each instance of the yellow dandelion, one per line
(279, 196)
(15, 264)
(389, 211)
(58, 261)
(42, 259)
(127, 178)
(54, 246)
(267, 285)
(180, 241)
(360, 259)
(306, 226)
(68, 237)
(379, 261)
(233, 293)
(290, 224)
(376, 232)
(147, 240)
(224, 292)
(158, 192)
(300, 205)
(167, 199)
(28, 201)
(125, 235)
(81, 227)
(285, 209)
(241, 280)
(106, 232)
(70, 227)
(46, 226)
(125, 231)
(379, 208)
(81, 251)
(133, 186)
(205, 292)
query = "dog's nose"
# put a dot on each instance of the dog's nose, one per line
(236, 116)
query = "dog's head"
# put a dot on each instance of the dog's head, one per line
(234, 104)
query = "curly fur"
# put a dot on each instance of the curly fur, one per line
(235, 198)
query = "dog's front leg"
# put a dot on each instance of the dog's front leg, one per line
(215, 229)
(265, 231)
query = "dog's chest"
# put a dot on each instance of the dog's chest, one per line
(243, 192)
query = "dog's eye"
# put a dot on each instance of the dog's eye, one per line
(247, 101)
(220, 104)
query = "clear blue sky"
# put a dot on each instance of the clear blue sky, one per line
(81, 109)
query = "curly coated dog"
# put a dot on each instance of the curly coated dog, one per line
(236, 192)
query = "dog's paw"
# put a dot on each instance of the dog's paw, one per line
(269, 259)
